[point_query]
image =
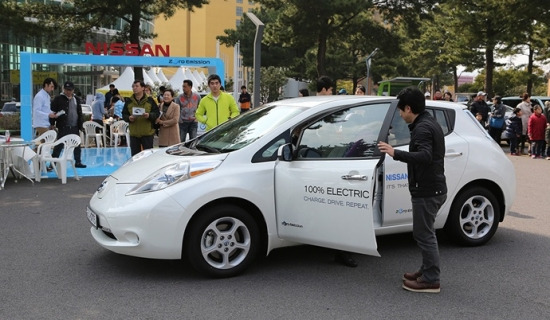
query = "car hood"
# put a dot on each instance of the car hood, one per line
(136, 171)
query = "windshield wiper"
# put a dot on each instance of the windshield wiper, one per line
(207, 148)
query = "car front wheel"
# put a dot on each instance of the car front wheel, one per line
(474, 217)
(222, 241)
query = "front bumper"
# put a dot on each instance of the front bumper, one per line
(149, 225)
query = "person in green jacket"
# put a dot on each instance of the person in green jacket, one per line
(141, 112)
(217, 107)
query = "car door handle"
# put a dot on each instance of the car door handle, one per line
(354, 177)
(453, 154)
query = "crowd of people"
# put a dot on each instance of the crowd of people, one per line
(173, 118)
(528, 125)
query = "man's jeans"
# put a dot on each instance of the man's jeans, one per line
(188, 127)
(424, 213)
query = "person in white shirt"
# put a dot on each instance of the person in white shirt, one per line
(41, 112)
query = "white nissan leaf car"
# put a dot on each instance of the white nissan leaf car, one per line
(297, 171)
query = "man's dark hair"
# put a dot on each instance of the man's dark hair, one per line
(304, 92)
(324, 82)
(141, 83)
(189, 82)
(162, 88)
(412, 97)
(111, 85)
(214, 77)
(49, 81)
(243, 87)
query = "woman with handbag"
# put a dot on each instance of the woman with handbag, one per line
(496, 124)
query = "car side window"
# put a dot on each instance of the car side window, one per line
(347, 133)
(439, 116)
(269, 151)
(399, 130)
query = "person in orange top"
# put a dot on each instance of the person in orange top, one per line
(244, 99)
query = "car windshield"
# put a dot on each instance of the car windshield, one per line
(245, 129)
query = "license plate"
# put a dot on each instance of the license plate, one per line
(92, 217)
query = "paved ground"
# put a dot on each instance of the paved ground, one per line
(52, 269)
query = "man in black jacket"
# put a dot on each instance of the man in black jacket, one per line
(480, 106)
(68, 119)
(427, 184)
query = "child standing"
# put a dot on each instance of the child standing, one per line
(536, 129)
(514, 128)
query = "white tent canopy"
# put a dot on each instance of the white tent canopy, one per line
(189, 75)
(151, 73)
(125, 81)
(182, 74)
(201, 78)
(161, 76)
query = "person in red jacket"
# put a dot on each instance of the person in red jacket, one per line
(535, 130)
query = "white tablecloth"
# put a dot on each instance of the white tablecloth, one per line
(21, 156)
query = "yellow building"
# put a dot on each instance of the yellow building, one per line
(193, 34)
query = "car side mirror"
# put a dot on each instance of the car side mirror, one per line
(284, 153)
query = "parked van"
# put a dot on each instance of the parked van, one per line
(514, 101)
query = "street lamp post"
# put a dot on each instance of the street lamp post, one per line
(257, 56)
(367, 60)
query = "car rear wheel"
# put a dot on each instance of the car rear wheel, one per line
(222, 241)
(474, 217)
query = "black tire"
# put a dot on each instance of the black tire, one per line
(474, 217)
(222, 241)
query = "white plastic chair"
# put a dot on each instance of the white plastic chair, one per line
(120, 128)
(90, 133)
(48, 137)
(69, 142)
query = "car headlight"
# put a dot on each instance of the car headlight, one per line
(143, 154)
(173, 174)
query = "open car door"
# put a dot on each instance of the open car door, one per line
(324, 194)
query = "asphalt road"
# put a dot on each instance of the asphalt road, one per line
(52, 269)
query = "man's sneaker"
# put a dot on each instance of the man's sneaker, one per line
(80, 165)
(420, 285)
(49, 168)
(412, 276)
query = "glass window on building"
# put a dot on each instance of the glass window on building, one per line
(239, 11)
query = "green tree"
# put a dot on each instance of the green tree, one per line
(77, 20)
(530, 36)
(276, 56)
(511, 81)
(307, 24)
(272, 80)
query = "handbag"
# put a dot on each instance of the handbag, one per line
(497, 123)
